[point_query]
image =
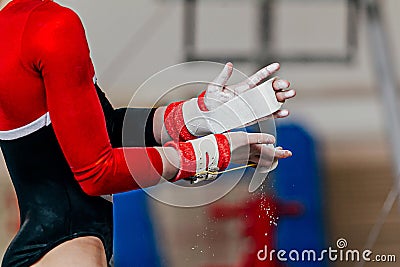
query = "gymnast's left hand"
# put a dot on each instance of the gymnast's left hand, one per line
(218, 92)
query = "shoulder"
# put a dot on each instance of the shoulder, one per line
(51, 16)
(53, 23)
(52, 28)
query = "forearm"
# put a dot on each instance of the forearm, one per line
(170, 161)
(159, 131)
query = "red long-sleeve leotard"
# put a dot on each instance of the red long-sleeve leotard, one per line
(45, 66)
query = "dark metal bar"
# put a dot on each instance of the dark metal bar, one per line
(265, 31)
(353, 14)
(189, 27)
(265, 54)
(386, 81)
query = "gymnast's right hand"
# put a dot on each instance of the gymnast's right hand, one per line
(255, 148)
(203, 158)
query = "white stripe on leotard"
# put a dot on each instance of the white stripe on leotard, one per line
(25, 130)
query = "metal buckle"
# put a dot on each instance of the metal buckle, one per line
(209, 175)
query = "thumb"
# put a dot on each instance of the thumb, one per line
(224, 76)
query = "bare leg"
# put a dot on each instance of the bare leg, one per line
(83, 251)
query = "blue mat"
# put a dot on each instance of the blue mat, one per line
(299, 179)
(134, 243)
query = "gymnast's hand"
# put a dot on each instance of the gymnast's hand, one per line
(256, 148)
(204, 157)
(190, 119)
(218, 92)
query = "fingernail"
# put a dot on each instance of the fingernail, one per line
(289, 93)
(281, 84)
(284, 112)
(273, 67)
(272, 140)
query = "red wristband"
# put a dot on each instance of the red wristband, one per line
(200, 102)
(224, 150)
(187, 159)
(184, 134)
(169, 121)
(175, 124)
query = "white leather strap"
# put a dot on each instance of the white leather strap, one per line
(246, 108)
(206, 149)
(26, 129)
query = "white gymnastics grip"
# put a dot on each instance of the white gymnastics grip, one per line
(207, 157)
(242, 110)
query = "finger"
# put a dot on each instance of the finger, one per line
(254, 160)
(282, 96)
(262, 154)
(279, 84)
(255, 149)
(236, 139)
(282, 113)
(266, 156)
(256, 78)
(224, 76)
(260, 138)
(282, 153)
(263, 74)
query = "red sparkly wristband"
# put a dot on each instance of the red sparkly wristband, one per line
(175, 123)
(187, 160)
(224, 150)
(169, 120)
(200, 102)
